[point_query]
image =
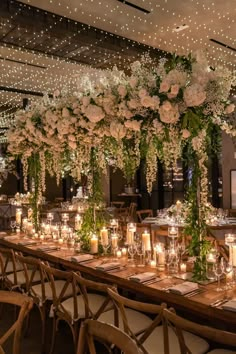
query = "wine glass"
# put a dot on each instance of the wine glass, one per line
(132, 249)
(218, 270)
(106, 245)
(168, 260)
(227, 268)
(140, 253)
(13, 225)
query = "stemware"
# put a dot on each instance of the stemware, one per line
(168, 260)
(227, 268)
(13, 225)
(140, 253)
(132, 249)
(218, 270)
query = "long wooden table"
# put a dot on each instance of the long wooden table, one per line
(197, 306)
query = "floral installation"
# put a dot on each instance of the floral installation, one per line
(153, 113)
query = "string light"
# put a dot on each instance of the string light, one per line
(156, 29)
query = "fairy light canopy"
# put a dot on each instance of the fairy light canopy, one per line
(80, 37)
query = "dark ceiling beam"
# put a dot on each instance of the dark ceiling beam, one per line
(25, 92)
(38, 19)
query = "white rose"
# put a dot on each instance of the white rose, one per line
(142, 93)
(174, 89)
(166, 106)
(133, 81)
(146, 101)
(133, 124)
(133, 103)
(230, 108)
(65, 113)
(164, 86)
(117, 130)
(94, 113)
(185, 133)
(72, 144)
(85, 101)
(169, 113)
(194, 95)
(122, 91)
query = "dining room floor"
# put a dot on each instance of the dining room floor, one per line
(31, 341)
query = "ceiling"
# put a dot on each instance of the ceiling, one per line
(41, 52)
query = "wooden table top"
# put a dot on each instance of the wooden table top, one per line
(196, 306)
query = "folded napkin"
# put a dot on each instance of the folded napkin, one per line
(82, 258)
(27, 242)
(11, 237)
(230, 305)
(46, 248)
(142, 277)
(184, 288)
(108, 266)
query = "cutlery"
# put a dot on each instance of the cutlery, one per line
(152, 281)
(220, 302)
(194, 292)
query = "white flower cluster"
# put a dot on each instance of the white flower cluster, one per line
(153, 102)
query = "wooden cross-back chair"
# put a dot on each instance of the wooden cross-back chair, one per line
(5, 215)
(62, 287)
(33, 281)
(10, 269)
(181, 326)
(144, 213)
(157, 333)
(25, 304)
(135, 322)
(117, 204)
(92, 330)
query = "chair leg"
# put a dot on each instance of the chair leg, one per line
(54, 330)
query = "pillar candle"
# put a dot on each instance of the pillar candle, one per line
(234, 255)
(173, 231)
(129, 237)
(211, 258)
(114, 241)
(146, 240)
(30, 213)
(30, 227)
(18, 216)
(118, 254)
(94, 244)
(153, 264)
(78, 222)
(183, 267)
(161, 258)
(124, 251)
(104, 236)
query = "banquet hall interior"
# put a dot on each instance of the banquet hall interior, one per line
(117, 176)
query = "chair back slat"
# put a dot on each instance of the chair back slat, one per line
(69, 287)
(181, 324)
(85, 285)
(94, 330)
(122, 303)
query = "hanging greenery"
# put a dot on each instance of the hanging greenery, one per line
(119, 119)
